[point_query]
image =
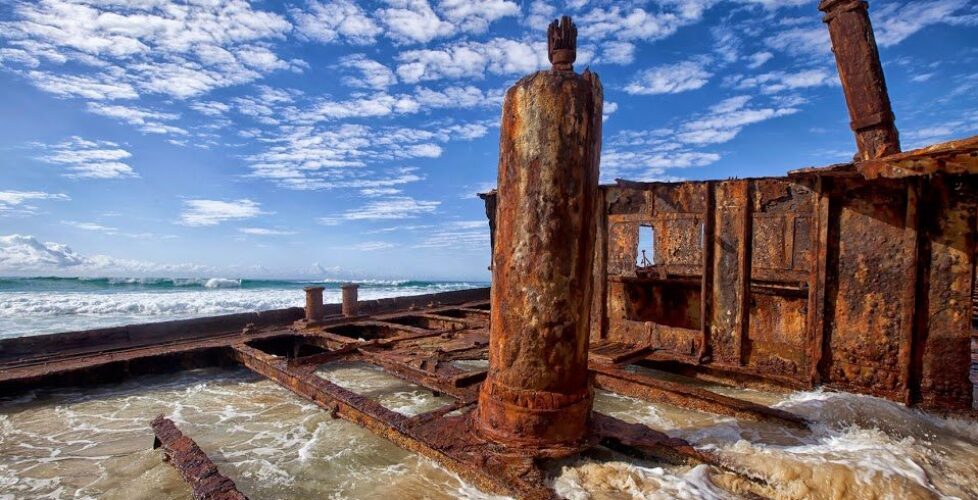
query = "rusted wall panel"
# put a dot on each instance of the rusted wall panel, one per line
(944, 316)
(871, 268)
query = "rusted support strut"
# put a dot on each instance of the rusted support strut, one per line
(861, 72)
(192, 463)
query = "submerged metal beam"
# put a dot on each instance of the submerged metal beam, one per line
(192, 463)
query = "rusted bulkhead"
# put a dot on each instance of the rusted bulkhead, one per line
(824, 277)
(537, 392)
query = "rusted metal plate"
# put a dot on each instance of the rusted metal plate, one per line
(951, 158)
(945, 312)
(206, 482)
(872, 266)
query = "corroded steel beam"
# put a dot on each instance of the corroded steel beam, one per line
(192, 463)
(537, 392)
(661, 391)
(858, 61)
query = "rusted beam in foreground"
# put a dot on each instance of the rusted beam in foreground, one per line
(192, 463)
(661, 391)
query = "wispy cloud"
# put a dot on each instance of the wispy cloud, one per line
(262, 231)
(213, 212)
(86, 159)
(671, 78)
(19, 202)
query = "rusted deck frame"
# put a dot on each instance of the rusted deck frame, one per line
(194, 466)
(388, 424)
(472, 458)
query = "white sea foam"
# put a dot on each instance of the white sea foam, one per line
(36, 312)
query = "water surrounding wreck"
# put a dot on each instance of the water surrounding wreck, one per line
(33, 306)
(96, 443)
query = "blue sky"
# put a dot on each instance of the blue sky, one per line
(339, 138)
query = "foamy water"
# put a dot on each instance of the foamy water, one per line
(45, 305)
(96, 444)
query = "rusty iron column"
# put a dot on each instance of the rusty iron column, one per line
(537, 396)
(858, 61)
(350, 307)
(314, 304)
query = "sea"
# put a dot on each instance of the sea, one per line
(95, 442)
(39, 305)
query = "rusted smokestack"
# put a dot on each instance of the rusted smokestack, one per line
(314, 304)
(350, 307)
(537, 393)
(861, 73)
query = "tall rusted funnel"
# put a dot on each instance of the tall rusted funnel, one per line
(861, 72)
(537, 394)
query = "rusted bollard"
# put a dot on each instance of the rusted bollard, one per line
(861, 72)
(350, 307)
(537, 394)
(314, 304)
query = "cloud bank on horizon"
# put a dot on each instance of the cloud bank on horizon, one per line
(266, 136)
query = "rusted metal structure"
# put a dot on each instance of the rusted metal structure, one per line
(859, 276)
(192, 463)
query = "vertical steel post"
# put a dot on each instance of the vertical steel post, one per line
(858, 61)
(538, 393)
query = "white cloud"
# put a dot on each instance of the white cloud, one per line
(458, 236)
(757, 59)
(145, 120)
(86, 159)
(416, 21)
(333, 21)
(499, 56)
(613, 52)
(370, 246)
(780, 81)
(18, 202)
(81, 86)
(401, 207)
(804, 41)
(475, 16)
(670, 79)
(373, 74)
(413, 21)
(639, 24)
(124, 48)
(213, 212)
(262, 231)
(726, 119)
(21, 254)
(894, 22)
(90, 226)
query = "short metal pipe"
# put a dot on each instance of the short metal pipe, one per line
(314, 303)
(350, 306)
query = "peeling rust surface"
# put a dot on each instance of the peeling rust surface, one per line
(206, 482)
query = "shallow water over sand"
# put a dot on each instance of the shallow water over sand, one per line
(96, 443)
